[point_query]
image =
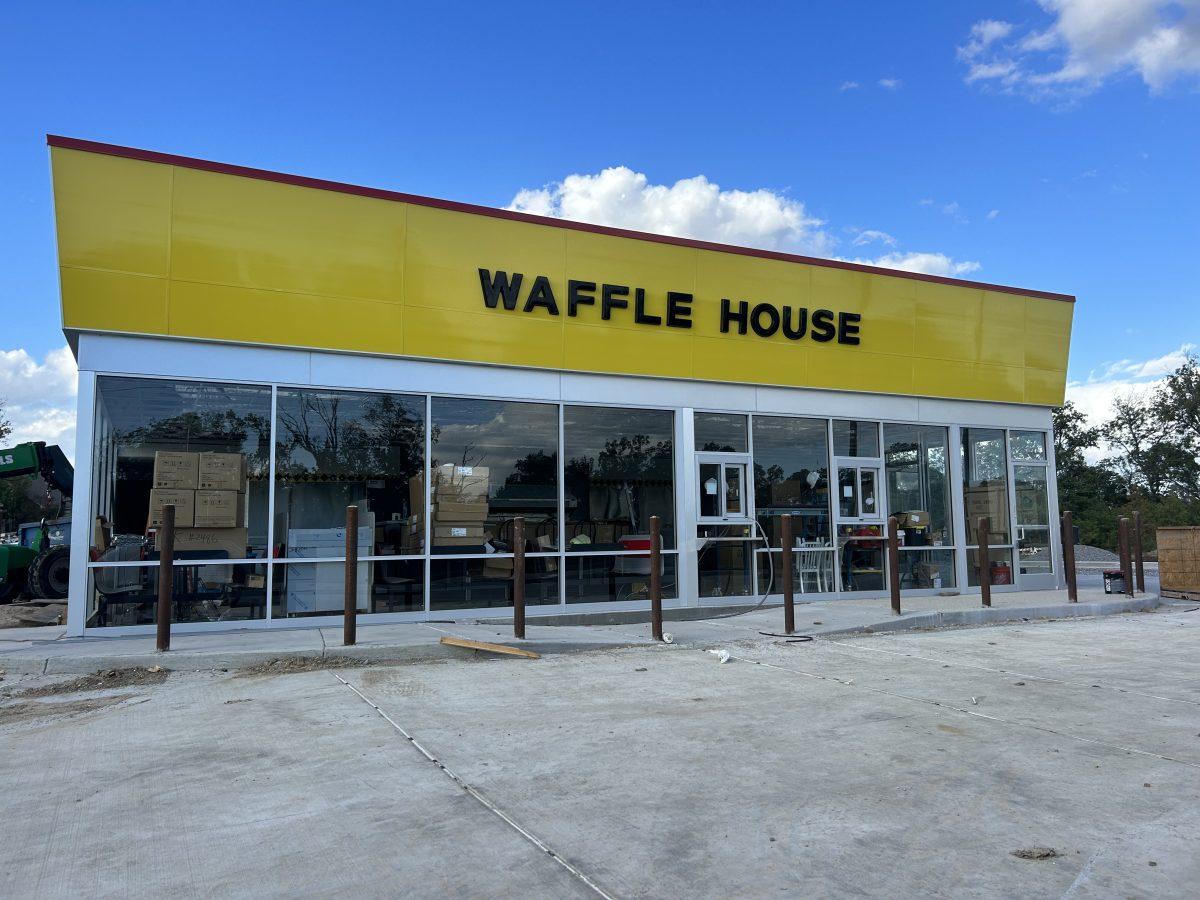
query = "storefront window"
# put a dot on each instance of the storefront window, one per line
(335, 449)
(202, 448)
(791, 475)
(1033, 520)
(985, 483)
(619, 471)
(493, 460)
(487, 582)
(1027, 445)
(617, 579)
(853, 438)
(918, 482)
(720, 433)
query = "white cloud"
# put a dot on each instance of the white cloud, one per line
(849, 86)
(1088, 42)
(992, 213)
(870, 235)
(890, 84)
(39, 398)
(1123, 378)
(927, 263)
(698, 208)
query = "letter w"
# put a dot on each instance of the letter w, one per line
(500, 287)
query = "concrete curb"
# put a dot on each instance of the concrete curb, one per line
(996, 615)
(200, 660)
(194, 661)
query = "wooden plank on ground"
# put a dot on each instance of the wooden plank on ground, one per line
(489, 648)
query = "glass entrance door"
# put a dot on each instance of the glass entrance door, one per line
(861, 541)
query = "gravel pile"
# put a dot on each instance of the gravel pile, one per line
(1084, 553)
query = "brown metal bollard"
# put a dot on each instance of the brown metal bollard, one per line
(893, 555)
(656, 578)
(1123, 550)
(518, 541)
(789, 585)
(985, 560)
(1068, 545)
(1138, 561)
(166, 577)
(350, 611)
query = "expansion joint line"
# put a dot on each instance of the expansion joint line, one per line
(474, 792)
(969, 712)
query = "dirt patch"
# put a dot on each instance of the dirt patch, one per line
(288, 665)
(25, 712)
(32, 615)
(1036, 853)
(950, 729)
(102, 680)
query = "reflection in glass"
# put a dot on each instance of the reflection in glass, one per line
(724, 568)
(334, 449)
(733, 490)
(851, 438)
(867, 479)
(926, 569)
(1001, 566)
(918, 482)
(985, 483)
(493, 460)
(1033, 520)
(720, 432)
(791, 472)
(1027, 445)
(488, 581)
(710, 490)
(847, 493)
(861, 549)
(606, 579)
(619, 472)
(139, 417)
(221, 592)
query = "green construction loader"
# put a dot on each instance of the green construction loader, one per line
(39, 562)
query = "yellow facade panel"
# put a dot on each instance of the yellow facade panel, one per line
(720, 359)
(646, 351)
(445, 251)
(112, 213)
(169, 246)
(114, 301)
(280, 237)
(284, 319)
(489, 337)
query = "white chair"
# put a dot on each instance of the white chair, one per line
(813, 560)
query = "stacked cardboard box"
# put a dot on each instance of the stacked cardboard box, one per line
(460, 506)
(208, 491)
(412, 538)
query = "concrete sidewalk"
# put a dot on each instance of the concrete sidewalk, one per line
(46, 651)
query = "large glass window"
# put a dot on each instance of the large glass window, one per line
(985, 484)
(854, 438)
(916, 461)
(493, 460)
(720, 433)
(202, 448)
(619, 471)
(334, 449)
(791, 475)
(1033, 520)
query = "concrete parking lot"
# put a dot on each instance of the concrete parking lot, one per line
(886, 765)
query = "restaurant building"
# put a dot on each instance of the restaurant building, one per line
(264, 350)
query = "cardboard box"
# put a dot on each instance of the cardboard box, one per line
(222, 472)
(184, 502)
(465, 483)
(458, 531)
(459, 511)
(220, 509)
(223, 543)
(457, 542)
(175, 469)
(416, 494)
(101, 534)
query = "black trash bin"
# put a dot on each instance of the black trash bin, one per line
(1114, 581)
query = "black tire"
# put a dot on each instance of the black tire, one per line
(11, 587)
(50, 574)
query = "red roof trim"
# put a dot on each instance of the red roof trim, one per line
(203, 165)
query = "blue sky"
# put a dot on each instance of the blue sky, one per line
(1053, 146)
